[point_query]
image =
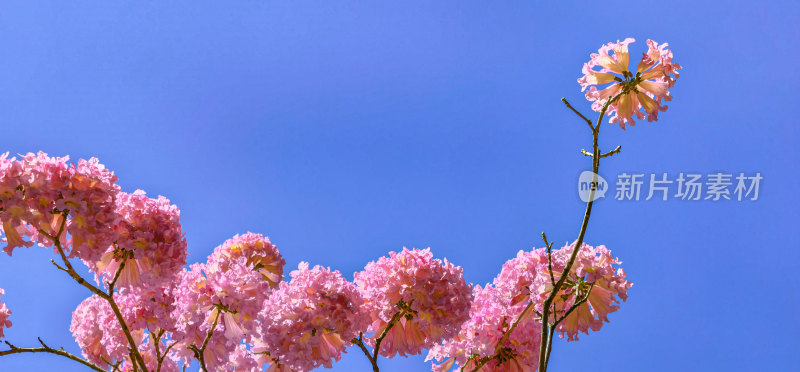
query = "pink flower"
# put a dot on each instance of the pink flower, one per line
(258, 252)
(149, 241)
(643, 90)
(522, 279)
(36, 190)
(595, 268)
(232, 293)
(4, 314)
(492, 314)
(309, 321)
(431, 295)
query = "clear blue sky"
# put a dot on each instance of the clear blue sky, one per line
(345, 131)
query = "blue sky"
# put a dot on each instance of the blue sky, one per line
(346, 130)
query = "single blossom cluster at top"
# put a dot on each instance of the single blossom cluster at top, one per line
(637, 93)
(424, 299)
(309, 321)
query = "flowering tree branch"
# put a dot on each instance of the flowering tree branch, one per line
(405, 310)
(108, 296)
(547, 328)
(47, 349)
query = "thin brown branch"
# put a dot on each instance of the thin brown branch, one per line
(578, 113)
(116, 275)
(47, 349)
(395, 318)
(360, 342)
(549, 258)
(612, 152)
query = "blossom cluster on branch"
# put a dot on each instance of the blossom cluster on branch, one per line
(149, 311)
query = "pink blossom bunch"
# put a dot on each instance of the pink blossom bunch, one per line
(243, 360)
(5, 313)
(97, 332)
(258, 252)
(232, 294)
(195, 312)
(309, 321)
(147, 308)
(496, 307)
(149, 242)
(431, 296)
(593, 267)
(492, 314)
(37, 188)
(641, 91)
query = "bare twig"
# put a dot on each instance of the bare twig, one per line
(578, 113)
(47, 349)
(549, 258)
(612, 152)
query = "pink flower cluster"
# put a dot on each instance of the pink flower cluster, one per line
(35, 190)
(523, 280)
(4, 314)
(309, 321)
(149, 242)
(230, 287)
(596, 267)
(258, 253)
(431, 296)
(97, 332)
(638, 93)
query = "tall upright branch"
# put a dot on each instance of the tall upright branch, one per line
(547, 328)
